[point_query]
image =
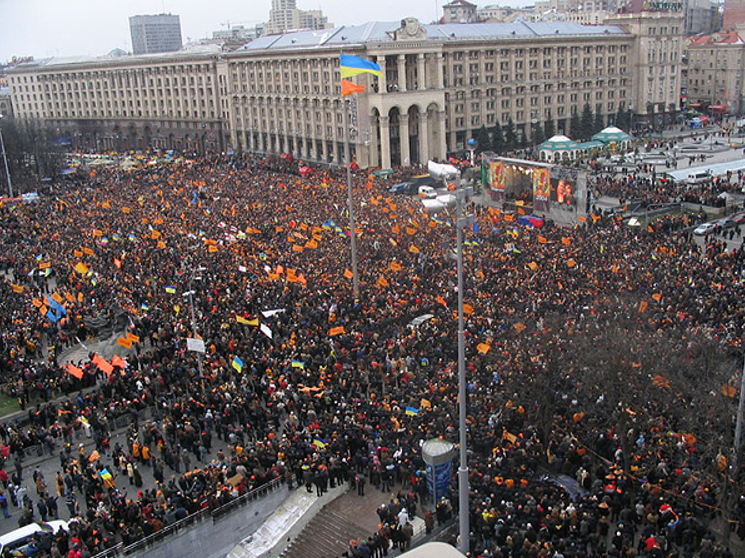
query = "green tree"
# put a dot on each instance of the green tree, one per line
(575, 127)
(599, 123)
(497, 138)
(536, 134)
(510, 139)
(549, 129)
(483, 141)
(586, 123)
(31, 151)
(622, 119)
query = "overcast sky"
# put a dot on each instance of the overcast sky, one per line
(43, 28)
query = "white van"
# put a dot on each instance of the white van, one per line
(427, 192)
(698, 177)
(14, 543)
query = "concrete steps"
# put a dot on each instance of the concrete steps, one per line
(326, 536)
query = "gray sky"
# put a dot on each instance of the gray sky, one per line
(44, 28)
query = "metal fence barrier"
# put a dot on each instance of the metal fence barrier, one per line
(197, 517)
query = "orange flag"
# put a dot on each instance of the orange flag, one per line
(348, 274)
(382, 281)
(74, 371)
(657, 297)
(124, 342)
(441, 300)
(643, 306)
(395, 266)
(413, 249)
(349, 88)
(338, 330)
(483, 348)
(565, 241)
(467, 309)
(118, 361)
(533, 266)
(542, 239)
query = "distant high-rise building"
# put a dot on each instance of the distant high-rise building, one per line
(155, 33)
(284, 16)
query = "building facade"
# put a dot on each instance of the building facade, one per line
(459, 11)
(734, 14)
(285, 16)
(155, 33)
(6, 102)
(716, 70)
(655, 61)
(282, 94)
(170, 101)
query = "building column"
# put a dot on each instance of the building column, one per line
(382, 84)
(421, 78)
(402, 72)
(423, 137)
(403, 126)
(439, 61)
(440, 131)
(385, 142)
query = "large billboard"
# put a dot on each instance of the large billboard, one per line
(553, 185)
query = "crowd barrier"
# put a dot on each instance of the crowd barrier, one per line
(193, 519)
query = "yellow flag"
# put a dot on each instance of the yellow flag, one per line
(81, 268)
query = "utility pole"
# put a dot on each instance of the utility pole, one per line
(463, 221)
(352, 232)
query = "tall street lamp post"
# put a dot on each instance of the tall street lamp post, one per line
(463, 221)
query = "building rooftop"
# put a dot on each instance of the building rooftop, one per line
(116, 56)
(730, 37)
(381, 32)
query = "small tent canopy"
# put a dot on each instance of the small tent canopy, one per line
(558, 147)
(611, 134)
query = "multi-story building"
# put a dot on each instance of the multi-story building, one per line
(6, 102)
(734, 14)
(155, 33)
(656, 58)
(285, 16)
(716, 71)
(441, 84)
(701, 16)
(166, 101)
(281, 93)
(459, 11)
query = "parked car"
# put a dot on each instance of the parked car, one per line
(738, 218)
(704, 229)
(16, 542)
(725, 223)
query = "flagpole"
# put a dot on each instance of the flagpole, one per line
(353, 234)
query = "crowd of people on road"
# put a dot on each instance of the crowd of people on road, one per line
(303, 382)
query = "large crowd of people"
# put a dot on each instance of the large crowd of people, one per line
(592, 351)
